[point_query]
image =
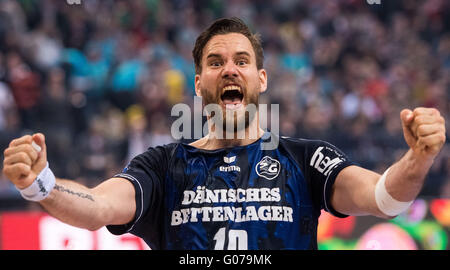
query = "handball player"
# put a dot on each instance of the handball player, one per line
(231, 193)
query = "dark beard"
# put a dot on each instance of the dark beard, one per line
(214, 98)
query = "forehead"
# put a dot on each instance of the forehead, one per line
(228, 44)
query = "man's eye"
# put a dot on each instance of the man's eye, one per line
(215, 64)
(242, 62)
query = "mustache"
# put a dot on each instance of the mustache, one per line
(230, 81)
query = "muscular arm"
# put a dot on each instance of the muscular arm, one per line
(111, 202)
(354, 189)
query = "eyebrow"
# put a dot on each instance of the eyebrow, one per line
(243, 53)
(213, 55)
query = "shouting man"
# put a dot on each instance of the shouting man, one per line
(230, 193)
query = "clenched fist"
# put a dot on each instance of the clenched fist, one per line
(23, 163)
(424, 131)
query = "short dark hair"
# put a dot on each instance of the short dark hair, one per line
(226, 26)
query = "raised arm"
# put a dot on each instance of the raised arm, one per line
(111, 202)
(354, 190)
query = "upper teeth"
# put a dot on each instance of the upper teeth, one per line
(232, 87)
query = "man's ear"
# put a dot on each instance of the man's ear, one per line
(197, 85)
(262, 80)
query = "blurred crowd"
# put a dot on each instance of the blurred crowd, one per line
(99, 79)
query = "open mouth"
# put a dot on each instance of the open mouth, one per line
(232, 96)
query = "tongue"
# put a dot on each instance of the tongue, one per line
(234, 101)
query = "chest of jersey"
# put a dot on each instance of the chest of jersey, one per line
(243, 198)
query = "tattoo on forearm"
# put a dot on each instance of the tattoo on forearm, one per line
(79, 194)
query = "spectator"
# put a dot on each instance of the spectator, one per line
(25, 86)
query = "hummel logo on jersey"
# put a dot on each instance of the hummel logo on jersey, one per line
(268, 168)
(322, 163)
(230, 168)
(229, 159)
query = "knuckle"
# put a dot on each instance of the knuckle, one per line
(33, 155)
(418, 110)
(28, 148)
(24, 167)
(26, 138)
(436, 119)
(421, 130)
(7, 170)
(23, 156)
(419, 119)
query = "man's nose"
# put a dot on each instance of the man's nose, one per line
(230, 70)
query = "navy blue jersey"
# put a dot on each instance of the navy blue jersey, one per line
(234, 198)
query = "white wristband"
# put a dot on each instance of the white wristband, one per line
(41, 187)
(388, 205)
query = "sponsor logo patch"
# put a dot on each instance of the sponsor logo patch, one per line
(268, 168)
(323, 163)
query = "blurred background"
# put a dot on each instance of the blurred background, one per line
(99, 79)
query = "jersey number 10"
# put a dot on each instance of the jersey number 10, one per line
(237, 239)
